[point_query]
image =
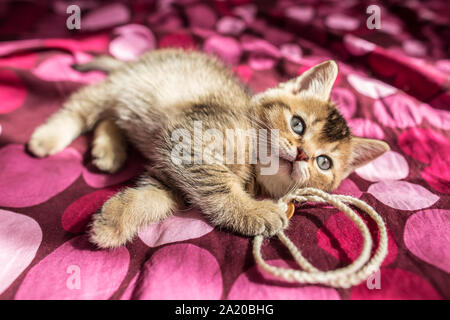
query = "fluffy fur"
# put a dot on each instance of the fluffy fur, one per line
(165, 90)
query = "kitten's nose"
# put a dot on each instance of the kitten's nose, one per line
(301, 155)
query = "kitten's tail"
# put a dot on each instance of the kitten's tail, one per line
(102, 63)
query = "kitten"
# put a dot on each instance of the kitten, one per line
(148, 100)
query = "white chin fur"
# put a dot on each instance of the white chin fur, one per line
(300, 172)
(286, 177)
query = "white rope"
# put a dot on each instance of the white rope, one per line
(353, 274)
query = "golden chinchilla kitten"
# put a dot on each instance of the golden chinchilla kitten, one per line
(168, 95)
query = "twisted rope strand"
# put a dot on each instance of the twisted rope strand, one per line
(345, 277)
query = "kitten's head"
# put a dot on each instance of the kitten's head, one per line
(316, 147)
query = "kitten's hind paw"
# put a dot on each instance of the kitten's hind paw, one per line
(109, 150)
(105, 234)
(108, 154)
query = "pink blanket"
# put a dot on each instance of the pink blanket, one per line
(393, 84)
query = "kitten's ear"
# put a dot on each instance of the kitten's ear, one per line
(316, 82)
(363, 151)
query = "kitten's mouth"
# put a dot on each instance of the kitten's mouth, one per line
(296, 170)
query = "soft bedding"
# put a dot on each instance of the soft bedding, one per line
(393, 84)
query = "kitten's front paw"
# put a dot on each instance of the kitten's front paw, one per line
(266, 218)
(47, 140)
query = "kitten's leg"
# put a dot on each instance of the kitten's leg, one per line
(109, 150)
(123, 215)
(80, 113)
(224, 201)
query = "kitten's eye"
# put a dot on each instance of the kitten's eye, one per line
(323, 162)
(297, 125)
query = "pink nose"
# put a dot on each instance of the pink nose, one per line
(301, 155)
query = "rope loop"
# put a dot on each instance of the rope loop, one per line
(351, 275)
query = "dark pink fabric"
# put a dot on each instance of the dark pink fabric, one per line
(393, 84)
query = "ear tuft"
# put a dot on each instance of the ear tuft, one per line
(365, 150)
(317, 82)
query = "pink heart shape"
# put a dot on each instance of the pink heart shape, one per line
(341, 22)
(345, 101)
(361, 127)
(397, 111)
(12, 91)
(58, 68)
(178, 272)
(402, 195)
(389, 166)
(357, 46)
(105, 17)
(133, 40)
(226, 48)
(27, 181)
(372, 88)
(230, 26)
(20, 238)
(77, 215)
(427, 236)
(76, 271)
(257, 285)
(180, 227)
(397, 284)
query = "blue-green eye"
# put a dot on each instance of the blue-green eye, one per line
(324, 162)
(298, 125)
